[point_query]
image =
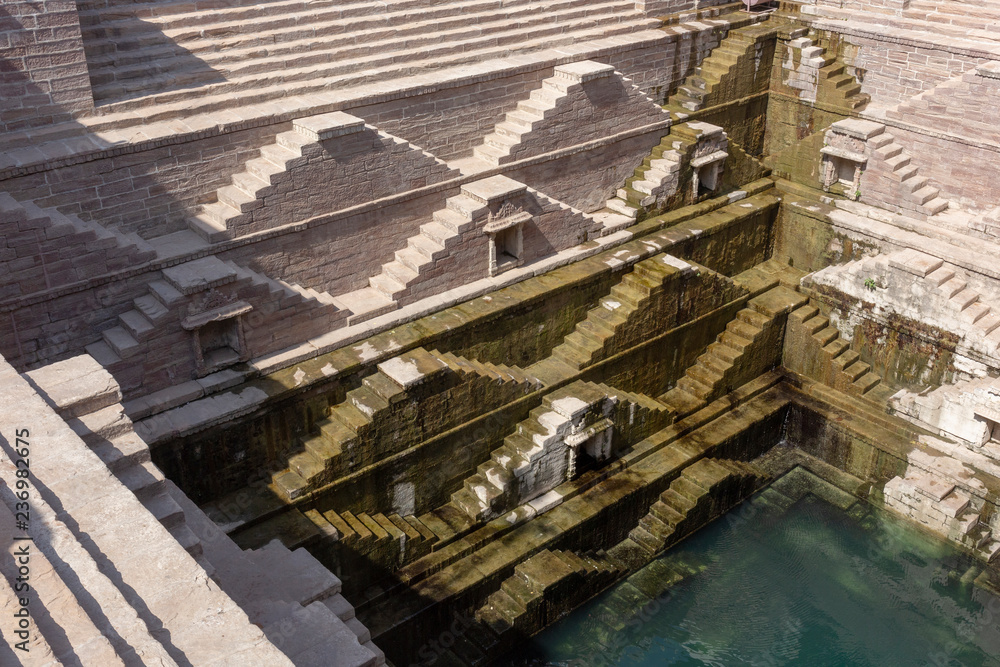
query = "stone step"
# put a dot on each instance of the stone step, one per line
(61, 629)
(215, 96)
(121, 342)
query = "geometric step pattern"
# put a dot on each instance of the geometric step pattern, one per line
(539, 455)
(87, 397)
(284, 313)
(106, 567)
(704, 490)
(607, 328)
(919, 287)
(47, 249)
(892, 181)
(746, 348)
(582, 101)
(965, 105)
(295, 600)
(828, 357)
(663, 180)
(169, 53)
(931, 498)
(542, 589)
(454, 249)
(386, 541)
(820, 78)
(734, 57)
(381, 411)
(326, 163)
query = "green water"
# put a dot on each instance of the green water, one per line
(801, 583)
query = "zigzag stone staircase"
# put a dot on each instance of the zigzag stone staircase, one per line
(82, 249)
(820, 78)
(919, 287)
(452, 249)
(168, 300)
(567, 99)
(821, 353)
(750, 344)
(927, 495)
(964, 104)
(414, 264)
(179, 58)
(718, 73)
(542, 589)
(655, 185)
(892, 181)
(349, 436)
(704, 490)
(323, 164)
(535, 459)
(596, 336)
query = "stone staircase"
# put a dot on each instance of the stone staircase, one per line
(92, 408)
(167, 301)
(524, 468)
(414, 265)
(295, 600)
(749, 346)
(542, 589)
(928, 495)
(353, 432)
(325, 163)
(389, 541)
(167, 53)
(110, 584)
(61, 249)
(961, 104)
(834, 86)
(919, 287)
(721, 71)
(656, 184)
(599, 334)
(452, 249)
(704, 490)
(825, 355)
(892, 181)
(564, 111)
(60, 629)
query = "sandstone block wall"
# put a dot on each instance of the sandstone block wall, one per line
(43, 70)
(587, 180)
(340, 256)
(892, 69)
(328, 175)
(149, 192)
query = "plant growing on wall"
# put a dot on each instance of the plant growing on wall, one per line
(870, 284)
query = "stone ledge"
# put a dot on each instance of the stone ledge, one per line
(329, 125)
(584, 71)
(103, 143)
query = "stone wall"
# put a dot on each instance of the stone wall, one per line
(149, 192)
(588, 179)
(892, 69)
(43, 70)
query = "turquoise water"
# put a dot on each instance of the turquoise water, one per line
(807, 584)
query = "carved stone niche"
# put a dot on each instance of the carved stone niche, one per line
(845, 156)
(708, 172)
(591, 444)
(843, 167)
(216, 326)
(506, 234)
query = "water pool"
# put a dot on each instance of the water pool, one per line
(780, 581)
